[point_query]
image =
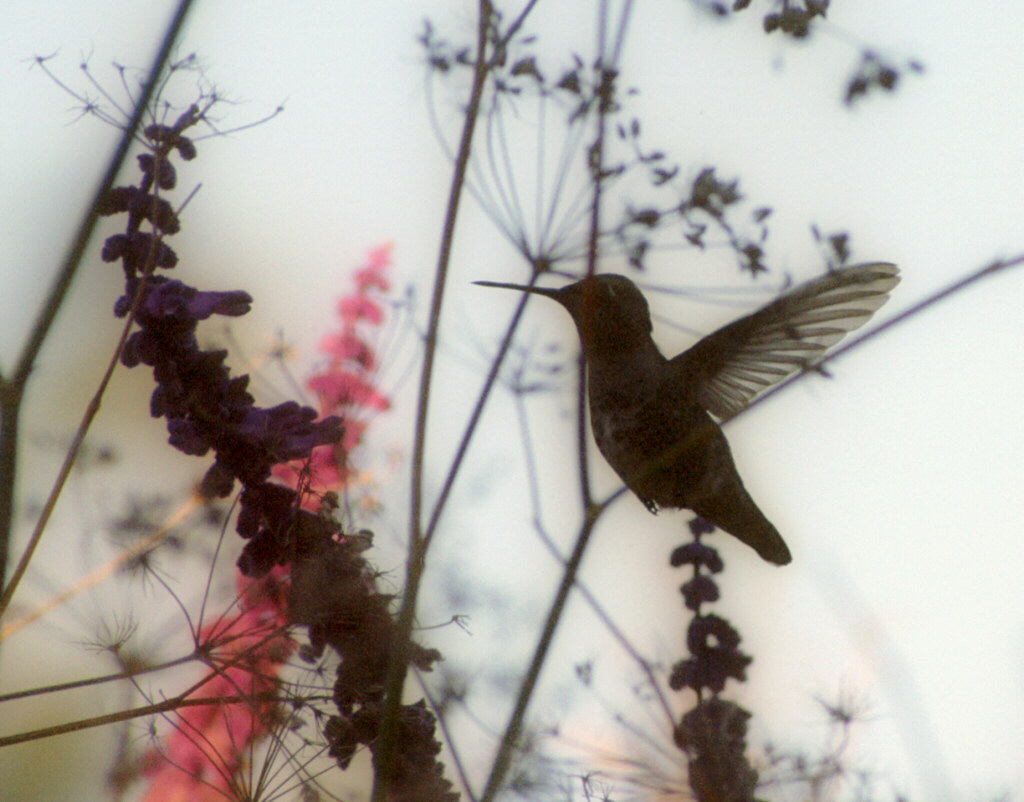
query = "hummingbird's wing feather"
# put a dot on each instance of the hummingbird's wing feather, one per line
(736, 363)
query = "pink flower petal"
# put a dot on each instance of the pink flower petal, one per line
(343, 388)
(353, 308)
(347, 345)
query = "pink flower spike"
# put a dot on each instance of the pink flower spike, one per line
(358, 307)
(381, 255)
(341, 389)
(346, 345)
(372, 275)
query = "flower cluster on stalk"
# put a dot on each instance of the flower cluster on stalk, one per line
(712, 733)
(297, 566)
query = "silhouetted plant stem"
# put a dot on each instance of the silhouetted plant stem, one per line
(91, 681)
(168, 705)
(385, 754)
(181, 700)
(510, 740)
(101, 573)
(474, 418)
(513, 731)
(12, 390)
(65, 469)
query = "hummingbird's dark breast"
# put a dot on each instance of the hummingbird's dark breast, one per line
(663, 445)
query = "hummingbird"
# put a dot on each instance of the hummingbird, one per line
(654, 419)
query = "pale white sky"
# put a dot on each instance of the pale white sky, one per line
(897, 485)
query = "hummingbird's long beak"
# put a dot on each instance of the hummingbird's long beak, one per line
(550, 293)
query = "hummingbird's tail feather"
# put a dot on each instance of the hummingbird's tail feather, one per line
(739, 516)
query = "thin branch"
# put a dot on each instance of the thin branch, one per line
(103, 572)
(514, 729)
(90, 413)
(511, 738)
(474, 418)
(385, 757)
(590, 598)
(135, 712)
(12, 391)
(85, 683)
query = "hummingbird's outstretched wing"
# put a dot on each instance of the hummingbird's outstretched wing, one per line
(745, 358)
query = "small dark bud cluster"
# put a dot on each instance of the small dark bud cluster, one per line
(713, 732)
(794, 21)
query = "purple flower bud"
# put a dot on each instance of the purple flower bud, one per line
(167, 178)
(218, 482)
(697, 554)
(138, 251)
(699, 590)
(259, 556)
(186, 438)
(165, 135)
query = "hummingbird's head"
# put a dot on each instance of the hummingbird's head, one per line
(610, 312)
